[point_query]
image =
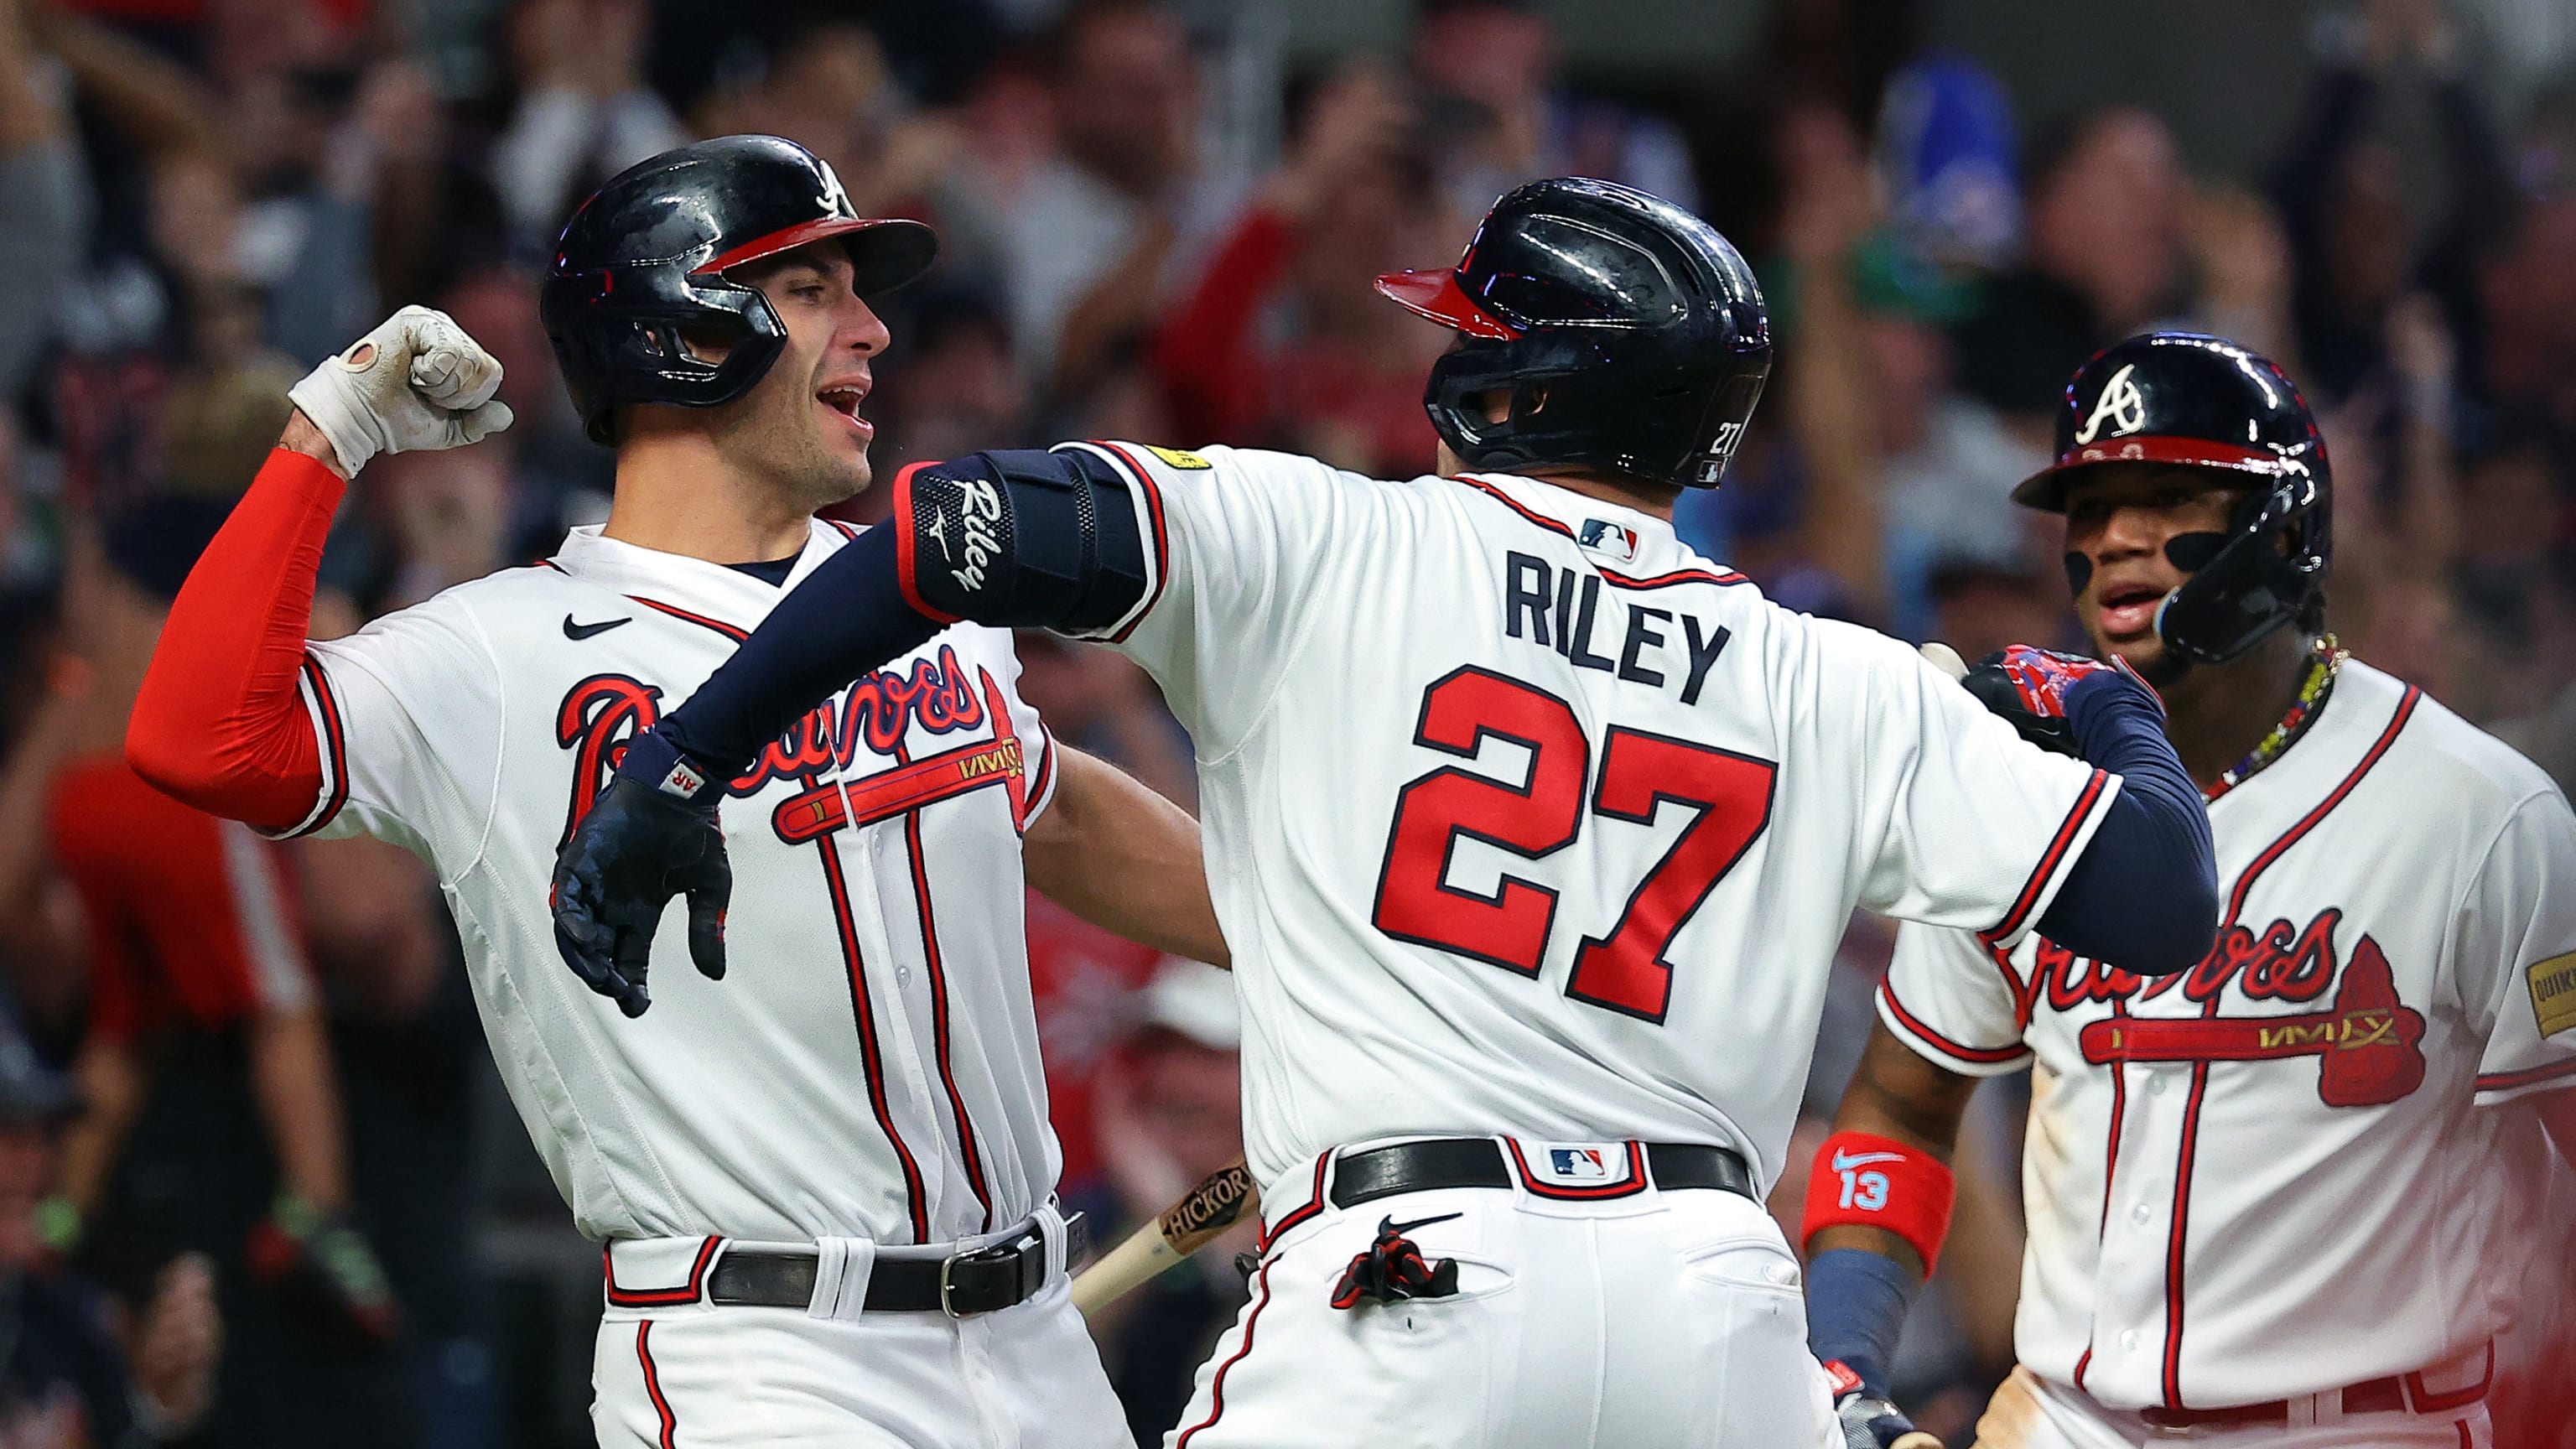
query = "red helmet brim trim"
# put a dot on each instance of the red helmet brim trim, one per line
(2046, 489)
(790, 238)
(1436, 295)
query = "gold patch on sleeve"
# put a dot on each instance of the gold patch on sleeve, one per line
(1178, 459)
(2553, 992)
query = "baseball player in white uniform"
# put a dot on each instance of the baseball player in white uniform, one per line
(825, 1187)
(1533, 832)
(2282, 1197)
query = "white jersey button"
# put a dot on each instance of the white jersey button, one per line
(2141, 1214)
(2129, 1339)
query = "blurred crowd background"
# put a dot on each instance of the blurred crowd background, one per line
(258, 1185)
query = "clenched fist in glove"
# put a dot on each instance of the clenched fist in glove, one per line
(651, 835)
(2036, 691)
(416, 382)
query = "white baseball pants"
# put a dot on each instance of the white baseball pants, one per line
(1658, 1318)
(2030, 1412)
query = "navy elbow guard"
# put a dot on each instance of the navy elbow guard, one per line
(1024, 538)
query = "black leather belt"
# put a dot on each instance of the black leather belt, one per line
(1377, 1172)
(980, 1282)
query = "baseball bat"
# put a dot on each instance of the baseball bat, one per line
(1198, 1219)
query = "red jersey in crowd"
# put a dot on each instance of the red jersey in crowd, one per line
(190, 921)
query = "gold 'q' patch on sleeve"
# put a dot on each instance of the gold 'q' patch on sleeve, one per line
(1191, 462)
(2553, 992)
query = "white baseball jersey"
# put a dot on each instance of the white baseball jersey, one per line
(2269, 1176)
(1522, 817)
(869, 1067)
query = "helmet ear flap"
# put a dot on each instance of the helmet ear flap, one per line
(2258, 576)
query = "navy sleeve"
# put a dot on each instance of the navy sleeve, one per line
(847, 618)
(1856, 1306)
(2144, 894)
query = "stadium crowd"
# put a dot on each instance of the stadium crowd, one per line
(257, 1186)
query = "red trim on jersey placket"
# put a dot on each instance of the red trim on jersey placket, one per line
(861, 1007)
(1965, 1053)
(688, 1292)
(1162, 542)
(2110, 1177)
(2178, 1236)
(856, 967)
(653, 1384)
(335, 746)
(849, 531)
(2049, 860)
(932, 958)
(2507, 1081)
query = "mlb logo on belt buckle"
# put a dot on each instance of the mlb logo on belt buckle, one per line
(1571, 1164)
(1578, 1169)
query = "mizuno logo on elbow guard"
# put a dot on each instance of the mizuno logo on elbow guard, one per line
(979, 507)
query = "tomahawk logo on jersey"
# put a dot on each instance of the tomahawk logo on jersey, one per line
(2400, 896)
(875, 843)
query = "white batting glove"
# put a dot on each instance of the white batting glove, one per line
(418, 381)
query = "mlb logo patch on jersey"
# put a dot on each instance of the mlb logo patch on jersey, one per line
(1576, 1165)
(1610, 539)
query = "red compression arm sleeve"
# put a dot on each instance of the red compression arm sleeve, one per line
(220, 724)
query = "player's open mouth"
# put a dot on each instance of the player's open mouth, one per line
(2129, 611)
(845, 401)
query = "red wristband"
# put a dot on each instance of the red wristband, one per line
(1874, 1182)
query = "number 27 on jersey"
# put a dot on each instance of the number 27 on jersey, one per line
(1624, 971)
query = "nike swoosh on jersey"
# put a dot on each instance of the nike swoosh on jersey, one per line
(1846, 1161)
(584, 631)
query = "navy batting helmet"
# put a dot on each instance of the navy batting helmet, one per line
(644, 261)
(1627, 334)
(2204, 402)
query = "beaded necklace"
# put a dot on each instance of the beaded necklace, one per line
(2325, 660)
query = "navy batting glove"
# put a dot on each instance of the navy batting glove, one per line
(1868, 1420)
(2043, 694)
(651, 835)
